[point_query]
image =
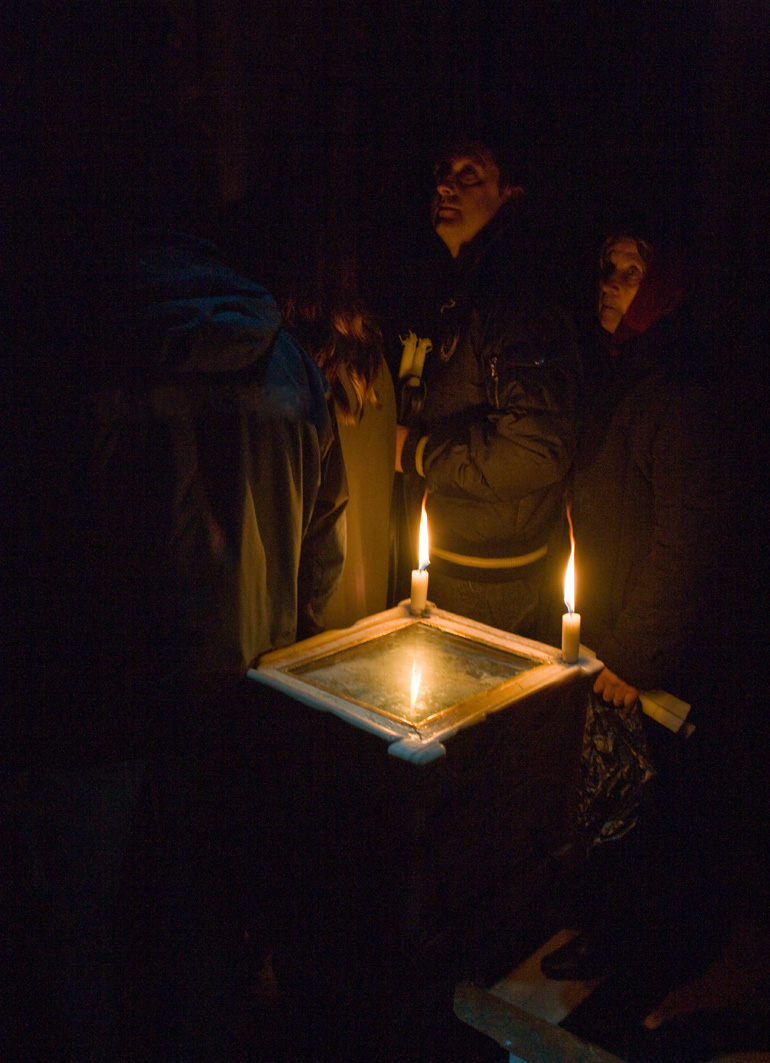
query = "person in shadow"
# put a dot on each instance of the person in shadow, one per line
(649, 503)
(183, 493)
(493, 371)
(330, 320)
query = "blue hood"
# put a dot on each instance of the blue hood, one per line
(190, 313)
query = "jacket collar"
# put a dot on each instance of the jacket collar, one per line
(497, 228)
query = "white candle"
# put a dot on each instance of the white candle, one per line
(570, 637)
(570, 622)
(420, 575)
(419, 591)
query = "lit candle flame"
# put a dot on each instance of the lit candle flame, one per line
(423, 555)
(569, 579)
(416, 677)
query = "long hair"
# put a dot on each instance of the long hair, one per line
(339, 333)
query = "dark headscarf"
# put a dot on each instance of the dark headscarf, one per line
(662, 290)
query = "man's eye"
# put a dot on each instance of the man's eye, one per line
(469, 177)
(633, 275)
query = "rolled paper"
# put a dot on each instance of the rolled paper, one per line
(423, 348)
(409, 347)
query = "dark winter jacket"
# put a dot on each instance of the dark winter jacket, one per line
(496, 436)
(189, 498)
(646, 510)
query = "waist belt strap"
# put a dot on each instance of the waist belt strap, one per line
(489, 562)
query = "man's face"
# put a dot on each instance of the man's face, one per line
(467, 197)
(622, 272)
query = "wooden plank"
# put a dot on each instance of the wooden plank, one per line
(526, 987)
(523, 1035)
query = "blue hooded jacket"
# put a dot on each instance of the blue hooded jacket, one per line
(191, 493)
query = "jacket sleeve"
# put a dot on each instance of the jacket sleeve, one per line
(671, 608)
(521, 439)
(323, 545)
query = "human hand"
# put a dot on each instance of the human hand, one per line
(401, 433)
(611, 688)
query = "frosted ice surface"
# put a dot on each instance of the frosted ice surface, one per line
(415, 672)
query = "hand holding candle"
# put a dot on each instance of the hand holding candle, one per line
(420, 575)
(570, 622)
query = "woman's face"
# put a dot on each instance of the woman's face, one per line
(622, 272)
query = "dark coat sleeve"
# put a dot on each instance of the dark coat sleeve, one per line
(521, 439)
(323, 546)
(666, 616)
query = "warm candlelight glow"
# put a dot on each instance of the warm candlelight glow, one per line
(570, 622)
(416, 677)
(569, 581)
(423, 554)
(420, 575)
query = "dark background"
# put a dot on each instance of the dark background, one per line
(314, 120)
(326, 113)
